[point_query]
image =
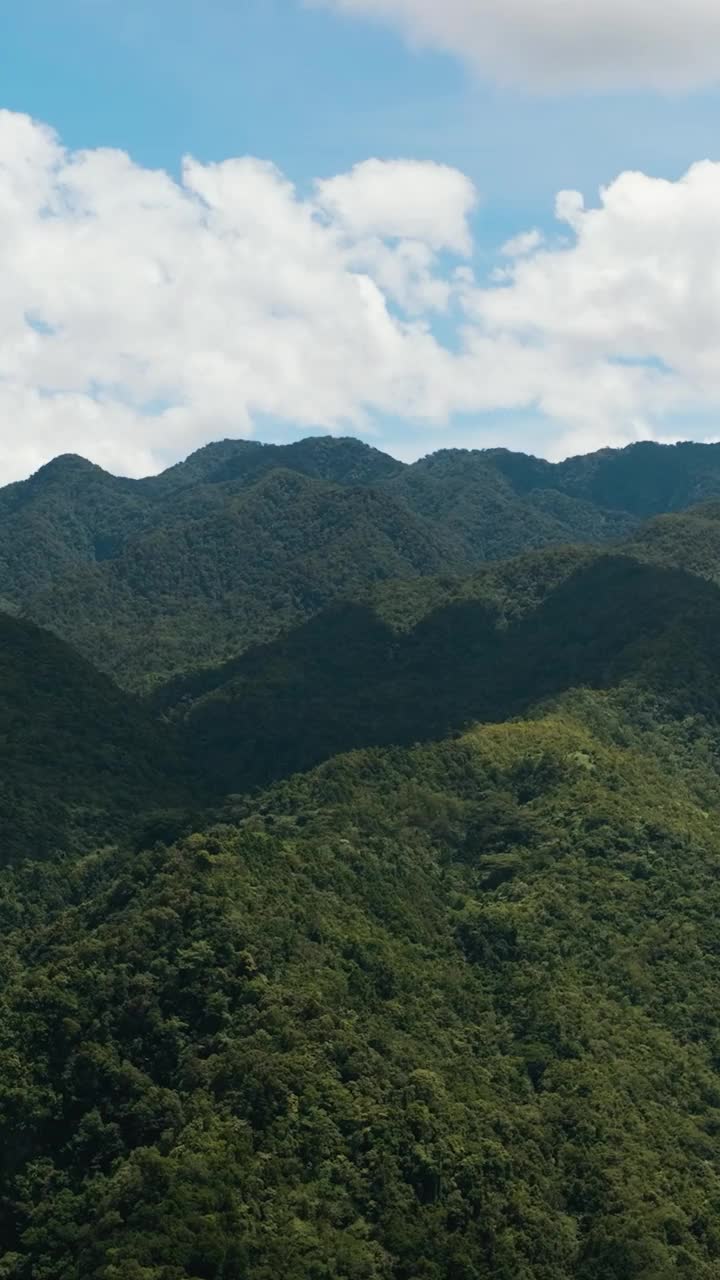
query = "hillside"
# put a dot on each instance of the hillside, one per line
(380, 942)
(138, 576)
(487, 505)
(448, 1011)
(195, 590)
(79, 759)
(70, 512)
(352, 678)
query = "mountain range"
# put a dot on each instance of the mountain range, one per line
(147, 578)
(358, 876)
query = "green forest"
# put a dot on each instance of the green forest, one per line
(360, 867)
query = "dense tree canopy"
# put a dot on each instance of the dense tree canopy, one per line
(449, 1011)
(380, 942)
(149, 578)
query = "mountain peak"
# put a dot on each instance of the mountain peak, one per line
(67, 465)
(342, 459)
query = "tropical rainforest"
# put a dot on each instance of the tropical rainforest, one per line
(360, 867)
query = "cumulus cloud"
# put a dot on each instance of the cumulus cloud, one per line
(406, 199)
(565, 44)
(141, 316)
(519, 246)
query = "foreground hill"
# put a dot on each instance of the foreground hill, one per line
(149, 578)
(442, 1012)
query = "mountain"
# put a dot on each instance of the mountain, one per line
(495, 644)
(644, 479)
(690, 541)
(70, 512)
(79, 759)
(339, 460)
(137, 574)
(197, 589)
(507, 502)
(380, 941)
(486, 501)
(449, 1010)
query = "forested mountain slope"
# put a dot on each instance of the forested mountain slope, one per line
(198, 589)
(72, 513)
(430, 1013)
(380, 942)
(350, 678)
(140, 577)
(690, 541)
(479, 499)
(79, 759)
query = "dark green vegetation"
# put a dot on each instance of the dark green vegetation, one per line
(384, 948)
(152, 577)
(78, 757)
(450, 1012)
(498, 643)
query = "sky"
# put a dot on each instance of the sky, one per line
(475, 223)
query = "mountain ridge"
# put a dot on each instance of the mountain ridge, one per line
(381, 942)
(72, 537)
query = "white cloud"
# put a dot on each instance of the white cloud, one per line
(566, 44)
(140, 316)
(626, 318)
(407, 199)
(523, 244)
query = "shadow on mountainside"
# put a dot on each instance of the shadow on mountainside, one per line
(345, 680)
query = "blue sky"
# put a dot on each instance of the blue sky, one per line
(316, 92)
